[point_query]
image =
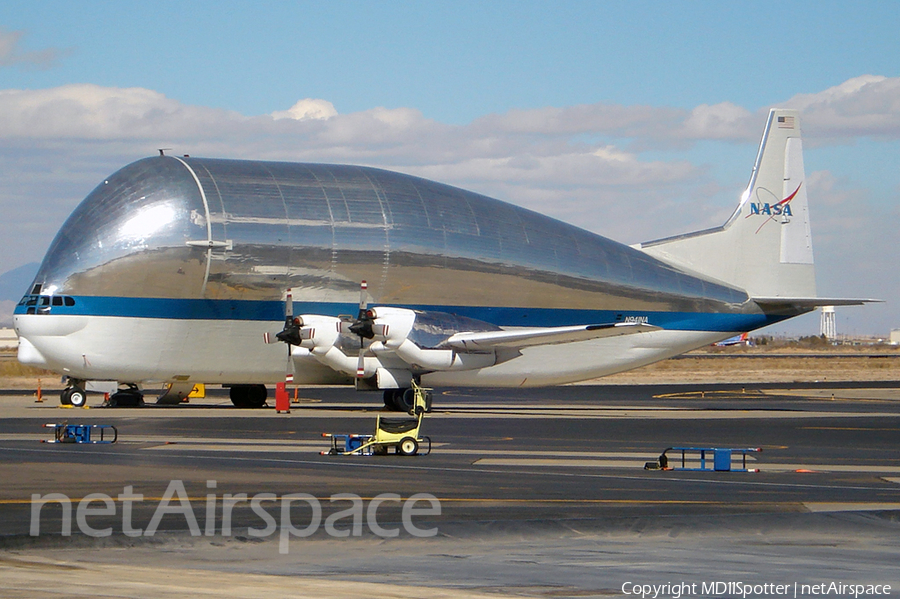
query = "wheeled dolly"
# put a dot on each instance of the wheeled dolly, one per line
(81, 433)
(400, 433)
(717, 457)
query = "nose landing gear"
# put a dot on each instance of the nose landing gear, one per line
(74, 395)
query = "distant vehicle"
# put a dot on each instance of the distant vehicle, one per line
(173, 269)
(742, 339)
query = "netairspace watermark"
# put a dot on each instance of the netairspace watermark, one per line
(683, 590)
(176, 501)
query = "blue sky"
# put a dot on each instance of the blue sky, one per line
(455, 61)
(582, 110)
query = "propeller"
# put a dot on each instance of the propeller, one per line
(290, 334)
(363, 327)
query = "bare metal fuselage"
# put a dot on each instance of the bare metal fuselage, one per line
(172, 268)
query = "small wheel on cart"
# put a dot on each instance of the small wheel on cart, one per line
(408, 446)
(379, 450)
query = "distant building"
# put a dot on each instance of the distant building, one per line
(895, 337)
(8, 339)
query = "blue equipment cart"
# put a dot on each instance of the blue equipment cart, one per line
(81, 433)
(719, 458)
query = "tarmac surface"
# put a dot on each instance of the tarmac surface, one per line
(531, 492)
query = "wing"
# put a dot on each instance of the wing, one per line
(488, 340)
(810, 302)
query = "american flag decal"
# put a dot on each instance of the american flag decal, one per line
(785, 122)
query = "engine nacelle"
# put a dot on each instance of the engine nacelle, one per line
(318, 333)
(393, 326)
(393, 331)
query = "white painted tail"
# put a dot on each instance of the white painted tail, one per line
(765, 247)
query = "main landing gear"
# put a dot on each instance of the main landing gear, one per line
(404, 400)
(74, 395)
(248, 396)
(129, 397)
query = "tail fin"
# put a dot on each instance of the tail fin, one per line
(765, 247)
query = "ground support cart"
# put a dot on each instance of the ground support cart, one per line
(400, 433)
(720, 459)
(81, 433)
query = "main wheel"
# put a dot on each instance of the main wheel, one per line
(65, 398)
(408, 446)
(248, 396)
(406, 401)
(77, 397)
(127, 398)
(390, 401)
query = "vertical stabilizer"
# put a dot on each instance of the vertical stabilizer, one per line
(766, 245)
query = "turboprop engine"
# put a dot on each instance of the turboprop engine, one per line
(395, 346)
(384, 347)
(390, 350)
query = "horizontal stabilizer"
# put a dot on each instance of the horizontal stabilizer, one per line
(811, 302)
(488, 340)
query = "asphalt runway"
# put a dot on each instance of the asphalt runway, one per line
(529, 492)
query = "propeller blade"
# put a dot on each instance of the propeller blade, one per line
(361, 364)
(363, 299)
(289, 306)
(289, 367)
(289, 324)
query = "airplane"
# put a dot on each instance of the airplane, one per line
(176, 270)
(742, 339)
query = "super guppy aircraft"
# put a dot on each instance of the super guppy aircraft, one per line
(173, 270)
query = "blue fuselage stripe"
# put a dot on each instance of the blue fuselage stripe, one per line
(273, 311)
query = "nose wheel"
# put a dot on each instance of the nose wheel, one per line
(73, 395)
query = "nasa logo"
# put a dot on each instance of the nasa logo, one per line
(782, 209)
(778, 209)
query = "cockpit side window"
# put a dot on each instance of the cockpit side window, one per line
(45, 302)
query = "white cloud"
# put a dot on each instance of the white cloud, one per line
(92, 112)
(10, 55)
(724, 121)
(868, 105)
(606, 119)
(308, 108)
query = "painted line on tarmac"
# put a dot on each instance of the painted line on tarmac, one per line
(815, 506)
(601, 463)
(344, 462)
(845, 428)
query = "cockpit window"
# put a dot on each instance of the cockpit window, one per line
(46, 301)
